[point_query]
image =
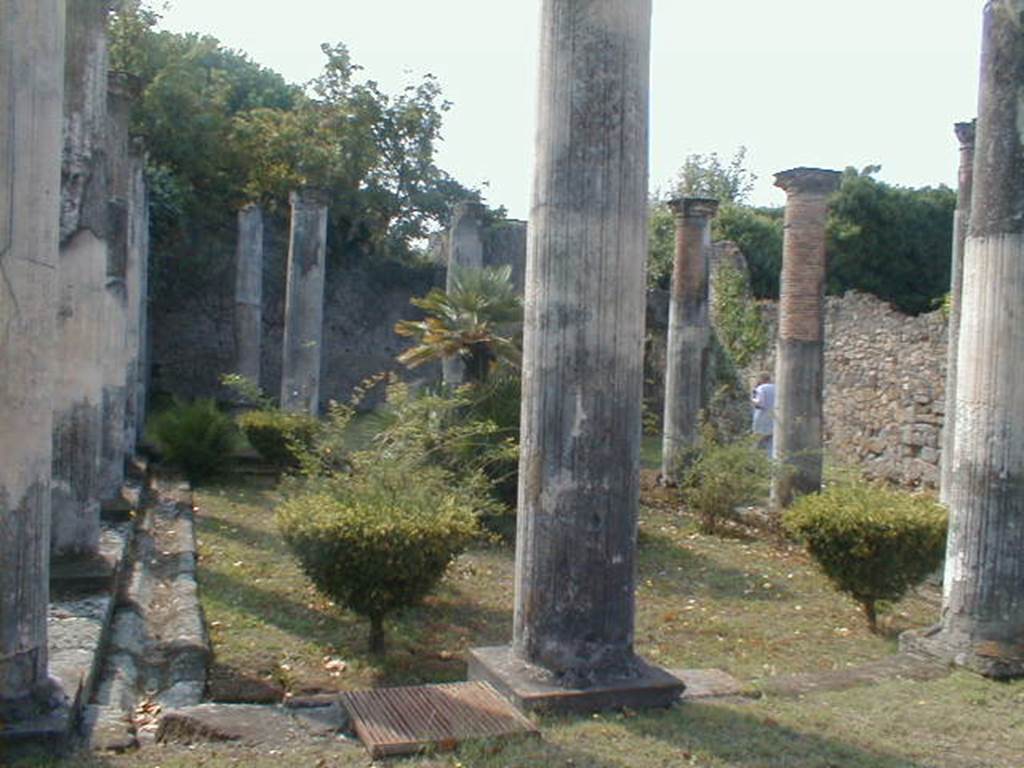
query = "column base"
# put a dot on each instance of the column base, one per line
(42, 719)
(531, 688)
(990, 659)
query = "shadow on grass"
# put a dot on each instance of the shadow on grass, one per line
(257, 538)
(746, 740)
(693, 573)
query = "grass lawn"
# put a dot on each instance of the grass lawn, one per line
(755, 608)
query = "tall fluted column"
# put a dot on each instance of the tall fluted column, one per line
(249, 293)
(961, 219)
(800, 354)
(982, 624)
(688, 330)
(31, 100)
(115, 353)
(582, 371)
(136, 283)
(465, 251)
(304, 303)
(81, 272)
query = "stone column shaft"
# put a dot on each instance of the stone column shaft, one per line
(583, 367)
(85, 228)
(249, 293)
(31, 98)
(304, 303)
(465, 251)
(800, 355)
(961, 219)
(688, 330)
(136, 286)
(116, 353)
(982, 623)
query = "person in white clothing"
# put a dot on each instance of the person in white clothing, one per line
(763, 400)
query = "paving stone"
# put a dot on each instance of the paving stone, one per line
(244, 723)
(898, 666)
(711, 683)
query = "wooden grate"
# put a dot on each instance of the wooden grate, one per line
(402, 721)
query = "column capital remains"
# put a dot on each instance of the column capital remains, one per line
(308, 196)
(694, 207)
(965, 133)
(808, 181)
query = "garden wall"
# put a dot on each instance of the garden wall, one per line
(885, 376)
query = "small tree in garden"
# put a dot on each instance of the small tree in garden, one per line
(872, 542)
(376, 529)
(380, 538)
(476, 321)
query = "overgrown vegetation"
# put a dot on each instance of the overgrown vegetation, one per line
(196, 437)
(872, 542)
(280, 437)
(738, 322)
(722, 477)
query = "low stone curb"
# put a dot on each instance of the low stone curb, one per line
(159, 649)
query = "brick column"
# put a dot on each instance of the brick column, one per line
(582, 372)
(800, 354)
(961, 219)
(31, 99)
(688, 330)
(982, 623)
(304, 303)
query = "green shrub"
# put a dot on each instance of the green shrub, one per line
(196, 437)
(872, 542)
(722, 477)
(279, 436)
(379, 539)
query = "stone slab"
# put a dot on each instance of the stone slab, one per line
(711, 684)
(530, 688)
(899, 666)
(246, 724)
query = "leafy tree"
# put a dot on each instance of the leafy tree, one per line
(662, 245)
(891, 241)
(728, 181)
(473, 321)
(758, 234)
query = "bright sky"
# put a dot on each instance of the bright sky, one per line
(798, 82)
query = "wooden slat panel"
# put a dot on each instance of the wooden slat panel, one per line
(402, 721)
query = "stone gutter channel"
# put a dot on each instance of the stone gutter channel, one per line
(158, 649)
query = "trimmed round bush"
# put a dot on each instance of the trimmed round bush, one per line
(872, 542)
(279, 436)
(196, 437)
(379, 541)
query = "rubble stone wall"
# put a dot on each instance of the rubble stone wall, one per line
(885, 376)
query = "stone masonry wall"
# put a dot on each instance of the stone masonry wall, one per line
(885, 376)
(193, 340)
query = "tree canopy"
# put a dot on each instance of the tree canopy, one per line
(222, 131)
(894, 242)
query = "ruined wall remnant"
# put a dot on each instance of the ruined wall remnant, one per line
(249, 293)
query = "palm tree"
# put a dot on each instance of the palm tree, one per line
(475, 321)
